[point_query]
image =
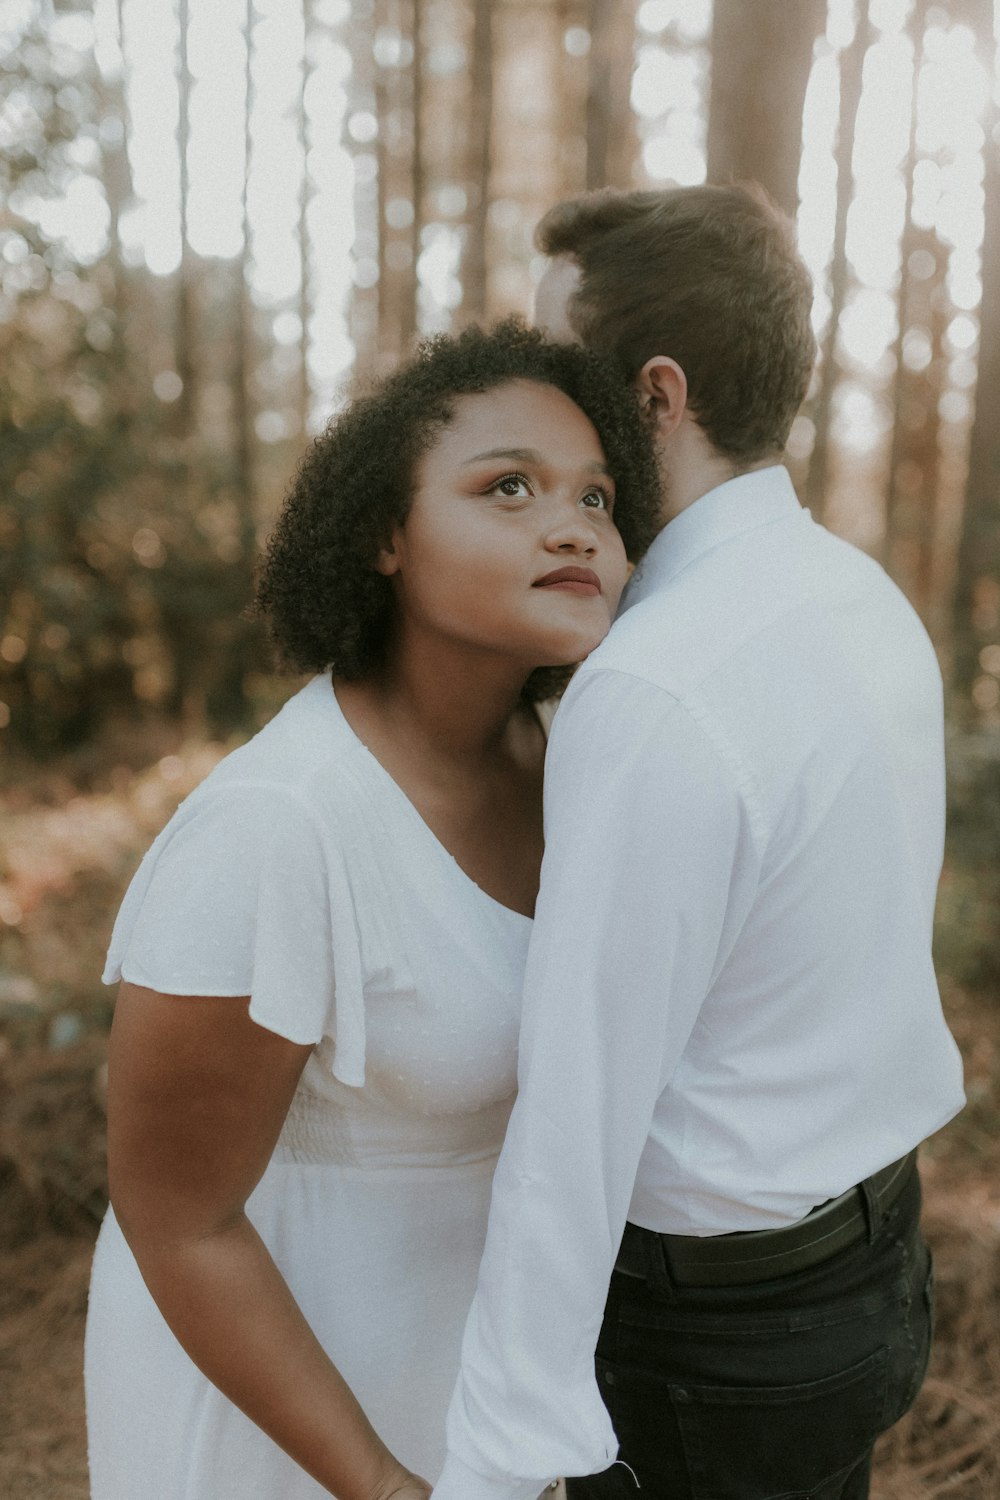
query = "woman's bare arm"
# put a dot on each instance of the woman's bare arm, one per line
(197, 1094)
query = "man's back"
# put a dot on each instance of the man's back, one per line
(819, 1052)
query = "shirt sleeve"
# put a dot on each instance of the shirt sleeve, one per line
(244, 894)
(647, 876)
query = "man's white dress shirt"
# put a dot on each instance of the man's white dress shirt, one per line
(730, 1012)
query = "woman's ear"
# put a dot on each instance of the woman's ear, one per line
(662, 386)
(388, 560)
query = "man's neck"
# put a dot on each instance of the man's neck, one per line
(688, 475)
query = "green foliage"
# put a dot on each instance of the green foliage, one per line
(115, 592)
(123, 575)
(62, 626)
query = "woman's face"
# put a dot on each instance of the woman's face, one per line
(510, 545)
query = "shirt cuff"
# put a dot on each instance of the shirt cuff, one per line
(459, 1482)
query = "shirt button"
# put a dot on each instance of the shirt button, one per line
(681, 1394)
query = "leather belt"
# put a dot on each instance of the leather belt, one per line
(759, 1254)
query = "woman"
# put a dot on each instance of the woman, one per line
(313, 1054)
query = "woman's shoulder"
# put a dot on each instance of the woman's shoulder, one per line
(300, 756)
(300, 737)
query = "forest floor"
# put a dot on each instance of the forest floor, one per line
(66, 853)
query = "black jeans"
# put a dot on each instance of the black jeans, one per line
(774, 1391)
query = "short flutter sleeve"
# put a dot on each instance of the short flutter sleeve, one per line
(244, 894)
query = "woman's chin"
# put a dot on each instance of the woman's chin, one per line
(569, 649)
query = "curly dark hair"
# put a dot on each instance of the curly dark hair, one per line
(318, 590)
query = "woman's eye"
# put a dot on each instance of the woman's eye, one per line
(597, 500)
(511, 485)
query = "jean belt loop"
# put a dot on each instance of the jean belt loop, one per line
(873, 1207)
(658, 1277)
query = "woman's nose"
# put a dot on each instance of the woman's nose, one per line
(571, 533)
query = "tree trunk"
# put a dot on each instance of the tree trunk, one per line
(977, 591)
(243, 342)
(574, 83)
(761, 59)
(926, 519)
(476, 269)
(531, 169)
(398, 101)
(305, 289)
(365, 300)
(915, 464)
(611, 140)
(384, 339)
(409, 304)
(906, 312)
(184, 325)
(851, 74)
(117, 180)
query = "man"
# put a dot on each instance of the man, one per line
(732, 1039)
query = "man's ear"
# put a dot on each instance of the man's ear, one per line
(663, 386)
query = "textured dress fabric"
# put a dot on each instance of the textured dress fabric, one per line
(299, 874)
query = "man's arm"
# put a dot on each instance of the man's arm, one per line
(648, 871)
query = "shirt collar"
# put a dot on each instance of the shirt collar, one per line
(739, 505)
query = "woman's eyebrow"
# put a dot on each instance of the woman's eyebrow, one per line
(528, 456)
(524, 455)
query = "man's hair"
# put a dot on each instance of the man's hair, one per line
(708, 276)
(318, 590)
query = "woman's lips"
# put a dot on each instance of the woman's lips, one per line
(571, 581)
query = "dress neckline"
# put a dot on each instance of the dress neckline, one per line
(409, 807)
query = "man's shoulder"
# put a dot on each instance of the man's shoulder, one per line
(765, 592)
(676, 637)
(632, 646)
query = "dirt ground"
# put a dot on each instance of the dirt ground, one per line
(52, 1170)
(51, 1190)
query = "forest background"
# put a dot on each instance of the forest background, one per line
(219, 217)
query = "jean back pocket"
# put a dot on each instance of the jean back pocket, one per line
(780, 1442)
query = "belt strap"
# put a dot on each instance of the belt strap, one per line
(760, 1254)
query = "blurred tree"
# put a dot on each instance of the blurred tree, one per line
(475, 290)
(184, 358)
(418, 168)
(529, 166)
(61, 667)
(913, 459)
(116, 177)
(243, 353)
(60, 442)
(611, 136)
(912, 520)
(369, 198)
(305, 269)
(398, 106)
(124, 553)
(976, 666)
(852, 62)
(761, 58)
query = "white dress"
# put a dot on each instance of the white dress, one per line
(300, 874)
